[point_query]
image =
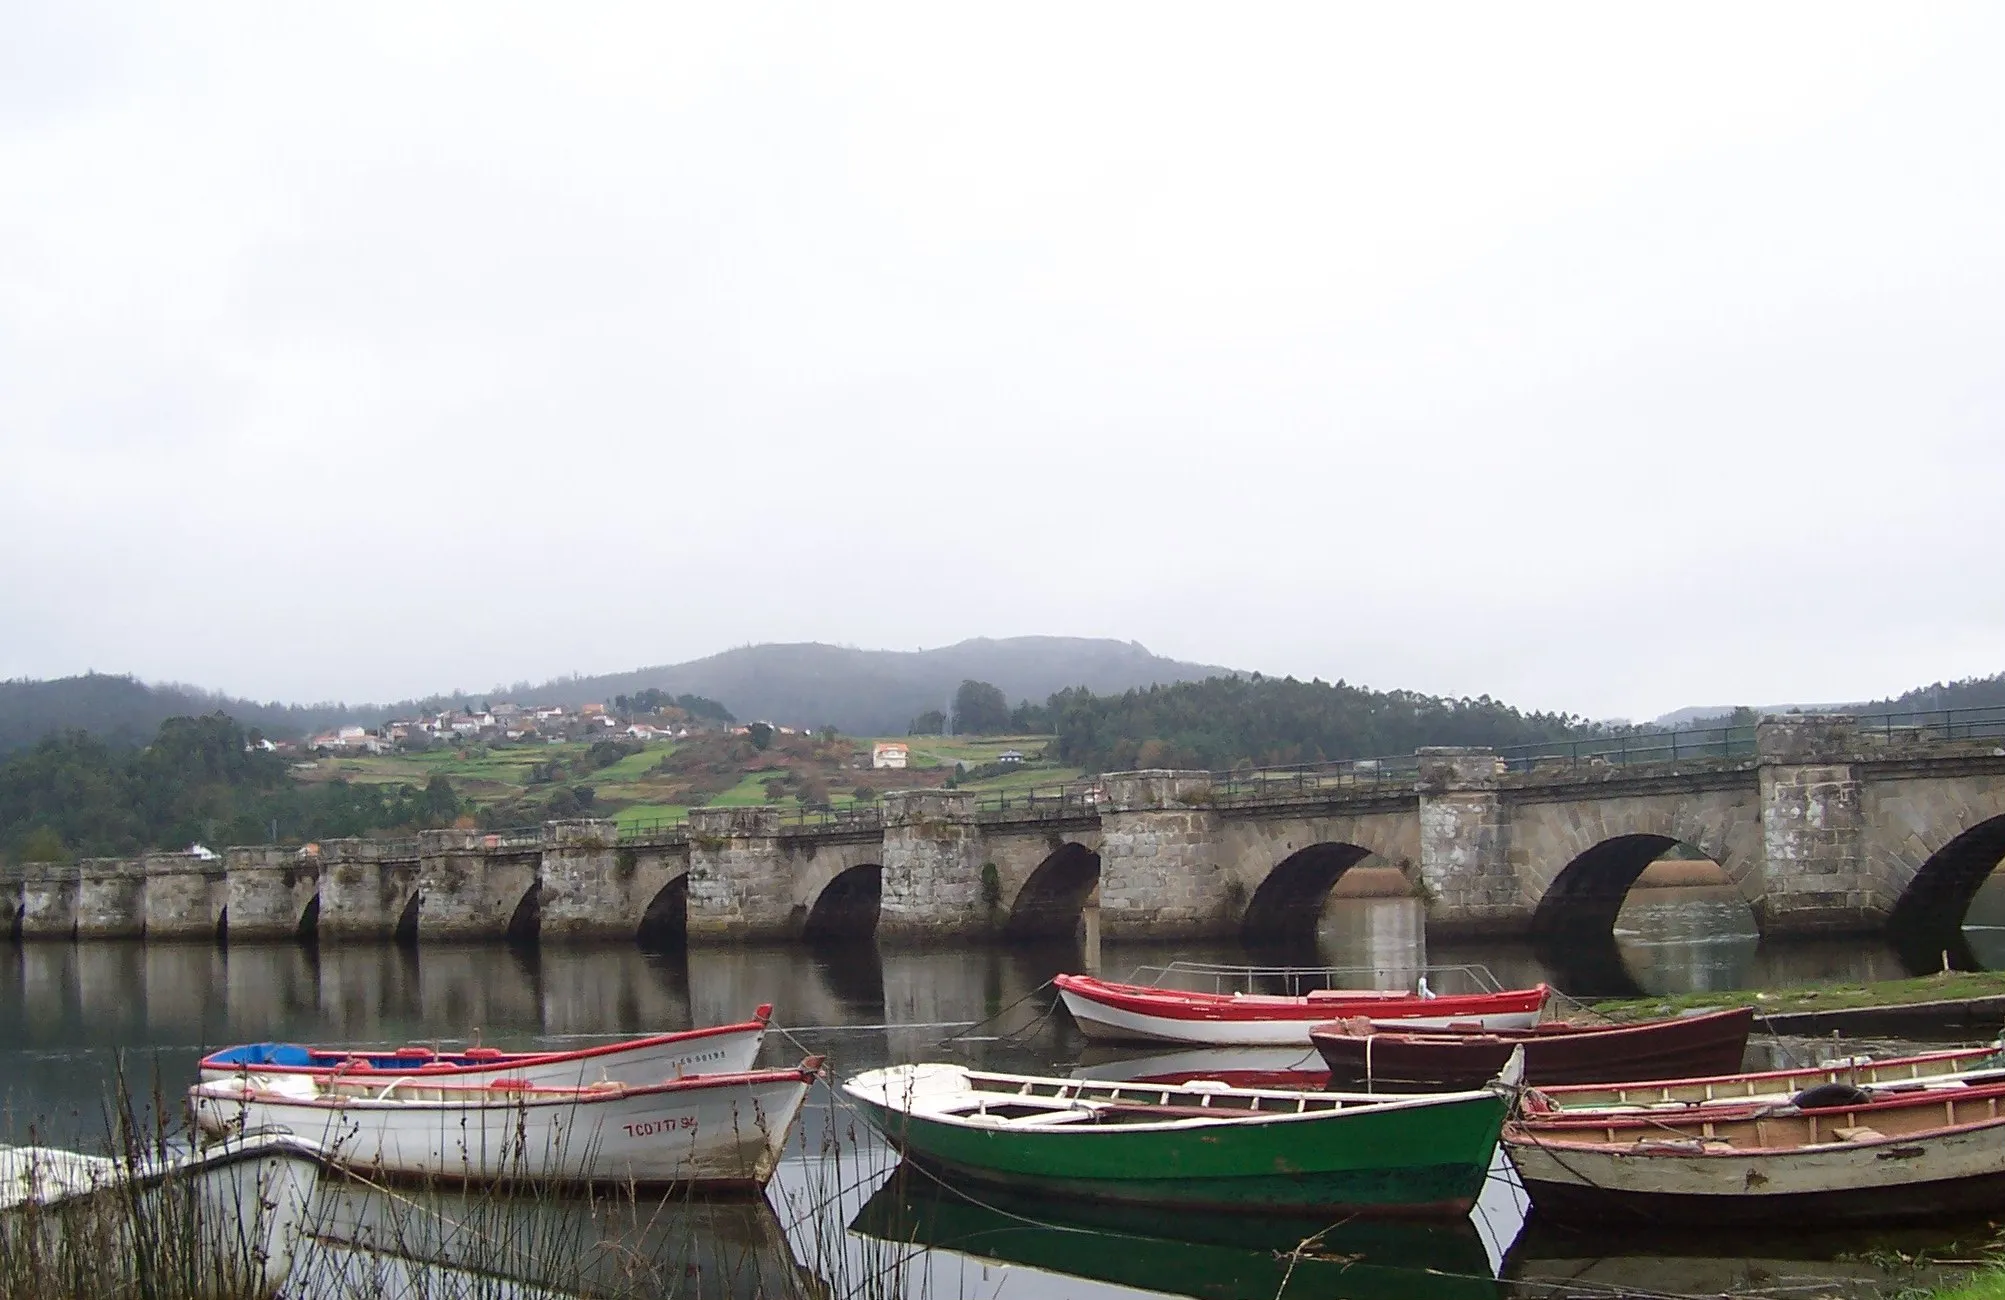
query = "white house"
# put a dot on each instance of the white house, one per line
(889, 753)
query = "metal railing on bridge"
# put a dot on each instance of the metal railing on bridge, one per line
(1074, 798)
(1627, 748)
(1981, 723)
(831, 818)
(654, 828)
(1348, 776)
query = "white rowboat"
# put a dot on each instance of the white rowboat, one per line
(718, 1049)
(1911, 1157)
(232, 1217)
(710, 1130)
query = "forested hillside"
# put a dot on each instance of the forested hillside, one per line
(74, 795)
(1227, 722)
(1970, 693)
(126, 711)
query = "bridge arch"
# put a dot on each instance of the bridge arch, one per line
(1577, 867)
(664, 922)
(307, 928)
(1053, 895)
(525, 923)
(1937, 897)
(1288, 902)
(847, 906)
(406, 932)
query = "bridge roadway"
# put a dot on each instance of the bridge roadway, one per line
(1822, 824)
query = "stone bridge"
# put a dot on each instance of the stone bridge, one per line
(1821, 827)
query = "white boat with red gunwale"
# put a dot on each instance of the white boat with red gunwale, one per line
(716, 1131)
(716, 1049)
(1113, 1011)
(1882, 1077)
(1910, 1157)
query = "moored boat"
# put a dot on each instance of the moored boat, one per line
(1360, 1052)
(723, 1131)
(1913, 1157)
(1955, 1068)
(1203, 1146)
(1106, 1009)
(717, 1049)
(229, 1218)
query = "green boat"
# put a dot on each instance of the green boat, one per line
(1195, 1145)
(1203, 1256)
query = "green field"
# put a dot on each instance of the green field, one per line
(633, 792)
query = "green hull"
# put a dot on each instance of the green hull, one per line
(1429, 1159)
(1204, 1256)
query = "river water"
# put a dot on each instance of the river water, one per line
(74, 1019)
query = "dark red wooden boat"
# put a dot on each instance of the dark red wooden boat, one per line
(1362, 1054)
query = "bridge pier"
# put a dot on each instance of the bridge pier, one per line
(364, 895)
(48, 900)
(1815, 878)
(184, 896)
(737, 887)
(110, 899)
(1465, 848)
(932, 883)
(471, 882)
(587, 885)
(1161, 874)
(267, 890)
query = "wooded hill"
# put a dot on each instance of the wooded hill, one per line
(1228, 722)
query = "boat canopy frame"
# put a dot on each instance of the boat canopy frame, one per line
(1299, 980)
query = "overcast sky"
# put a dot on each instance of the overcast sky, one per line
(1590, 357)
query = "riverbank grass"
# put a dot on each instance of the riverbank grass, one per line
(1988, 1285)
(1944, 987)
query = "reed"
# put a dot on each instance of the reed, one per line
(135, 1233)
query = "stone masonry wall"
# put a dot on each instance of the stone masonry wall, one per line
(184, 896)
(738, 888)
(267, 890)
(1815, 877)
(1160, 871)
(932, 882)
(1465, 852)
(111, 899)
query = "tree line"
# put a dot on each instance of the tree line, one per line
(200, 780)
(1233, 722)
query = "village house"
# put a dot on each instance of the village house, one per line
(889, 753)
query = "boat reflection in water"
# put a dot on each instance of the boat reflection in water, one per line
(463, 1243)
(1556, 1264)
(1205, 1256)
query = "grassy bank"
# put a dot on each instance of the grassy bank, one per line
(1988, 1285)
(1948, 986)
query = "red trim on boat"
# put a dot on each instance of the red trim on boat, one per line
(1334, 1004)
(352, 1061)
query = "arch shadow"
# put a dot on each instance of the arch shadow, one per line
(1049, 904)
(223, 926)
(525, 925)
(1285, 908)
(1927, 919)
(406, 933)
(16, 922)
(1584, 899)
(664, 925)
(847, 906)
(308, 929)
